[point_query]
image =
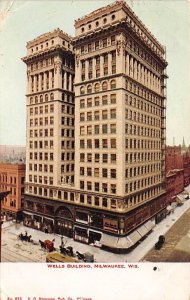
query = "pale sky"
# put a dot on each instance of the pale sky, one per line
(22, 21)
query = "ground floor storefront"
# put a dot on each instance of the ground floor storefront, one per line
(112, 230)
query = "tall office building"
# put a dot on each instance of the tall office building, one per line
(119, 122)
(119, 175)
(50, 124)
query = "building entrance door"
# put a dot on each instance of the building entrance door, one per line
(64, 222)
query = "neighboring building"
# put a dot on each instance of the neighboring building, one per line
(186, 166)
(177, 170)
(12, 178)
(174, 158)
(174, 184)
(120, 101)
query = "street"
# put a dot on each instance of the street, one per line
(15, 250)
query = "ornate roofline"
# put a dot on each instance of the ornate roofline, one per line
(48, 52)
(46, 36)
(115, 7)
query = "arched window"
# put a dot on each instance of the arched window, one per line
(36, 99)
(89, 88)
(97, 87)
(113, 84)
(31, 100)
(51, 96)
(82, 90)
(104, 86)
(41, 98)
(46, 97)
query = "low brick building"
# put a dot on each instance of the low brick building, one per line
(12, 178)
(177, 170)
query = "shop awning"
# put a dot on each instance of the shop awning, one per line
(28, 213)
(180, 199)
(134, 237)
(149, 225)
(174, 205)
(109, 240)
(124, 243)
(142, 230)
(187, 189)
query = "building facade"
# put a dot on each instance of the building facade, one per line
(50, 124)
(12, 179)
(116, 191)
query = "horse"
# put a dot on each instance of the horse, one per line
(42, 244)
(80, 256)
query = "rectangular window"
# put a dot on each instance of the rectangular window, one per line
(82, 144)
(96, 115)
(82, 117)
(104, 173)
(96, 186)
(113, 158)
(104, 187)
(89, 157)
(113, 143)
(82, 130)
(113, 98)
(96, 172)
(89, 143)
(89, 185)
(104, 143)
(104, 42)
(97, 157)
(89, 102)
(104, 158)
(113, 113)
(82, 103)
(112, 128)
(89, 129)
(97, 101)
(89, 116)
(104, 114)
(82, 157)
(96, 129)
(113, 173)
(96, 144)
(89, 171)
(104, 100)
(113, 191)
(104, 128)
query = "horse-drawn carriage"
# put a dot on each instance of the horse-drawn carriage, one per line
(160, 243)
(47, 245)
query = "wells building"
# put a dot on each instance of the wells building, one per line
(113, 190)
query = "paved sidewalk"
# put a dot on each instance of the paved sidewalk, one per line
(23, 250)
